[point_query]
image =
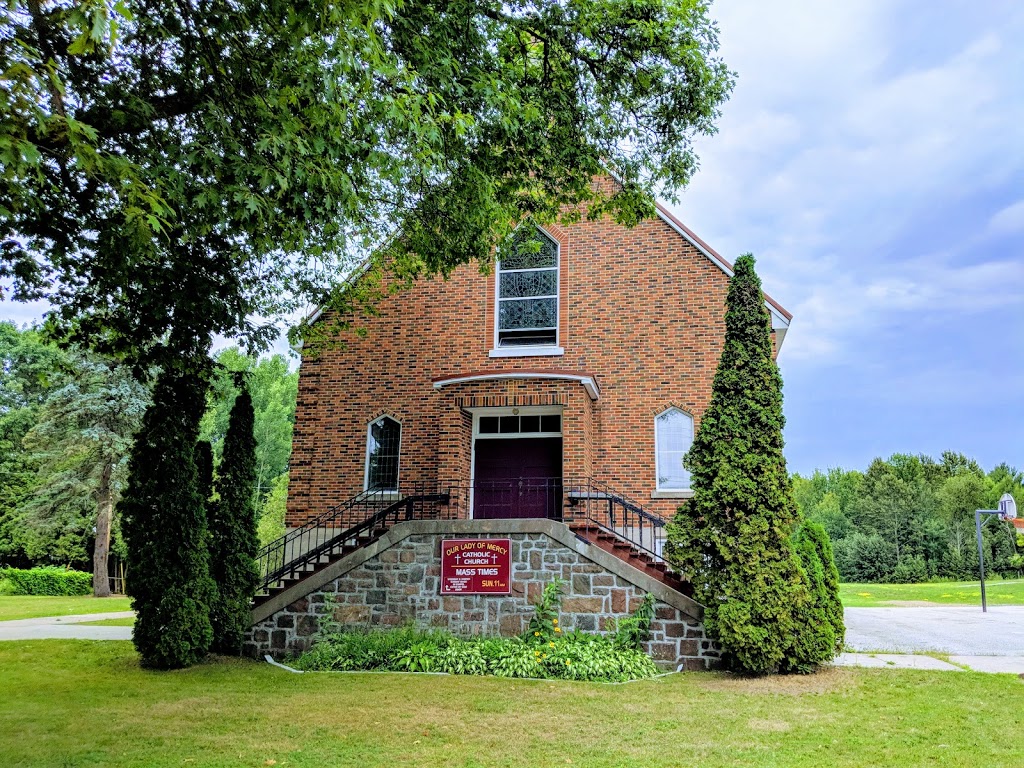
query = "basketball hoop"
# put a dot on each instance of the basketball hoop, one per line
(1007, 507)
(1007, 511)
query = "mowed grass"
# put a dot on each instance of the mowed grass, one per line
(127, 622)
(35, 606)
(82, 703)
(997, 592)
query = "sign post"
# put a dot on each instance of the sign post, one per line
(1007, 511)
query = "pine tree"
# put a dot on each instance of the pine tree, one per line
(734, 538)
(164, 526)
(234, 542)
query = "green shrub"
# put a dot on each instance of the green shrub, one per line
(6, 588)
(864, 558)
(733, 539)
(633, 631)
(576, 656)
(910, 570)
(823, 632)
(233, 538)
(543, 651)
(50, 580)
(163, 520)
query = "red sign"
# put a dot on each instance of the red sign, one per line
(476, 567)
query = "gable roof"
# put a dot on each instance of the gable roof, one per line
(781, 317)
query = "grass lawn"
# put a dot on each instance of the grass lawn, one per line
(82, 703)
(129, 622)
(950, 593)
(33, 606)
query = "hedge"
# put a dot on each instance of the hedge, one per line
(53, 581)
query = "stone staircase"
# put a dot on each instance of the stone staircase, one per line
(624, 550)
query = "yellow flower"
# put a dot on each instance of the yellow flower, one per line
(554, 621)
(567, 663)
(558, 629)
(551, 644)
(536, 634)
(545, 655)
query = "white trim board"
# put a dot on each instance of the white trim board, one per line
(588, 382)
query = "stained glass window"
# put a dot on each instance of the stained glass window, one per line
(382, 446)
(528, 290)
(673, 434)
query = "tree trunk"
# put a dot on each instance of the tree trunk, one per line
(104, 515)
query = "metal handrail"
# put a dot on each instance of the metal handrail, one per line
(355, 521)
(618, 515)
(333, 530)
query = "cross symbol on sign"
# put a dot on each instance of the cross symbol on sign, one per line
(458, 558)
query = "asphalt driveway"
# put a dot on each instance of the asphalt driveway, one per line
(959, 630)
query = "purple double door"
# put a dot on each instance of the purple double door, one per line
(519, 477)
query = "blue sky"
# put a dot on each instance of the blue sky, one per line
(872, 159)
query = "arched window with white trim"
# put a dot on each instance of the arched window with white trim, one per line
(383, 441)
(673, 436)
(527, 303)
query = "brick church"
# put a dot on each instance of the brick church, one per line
(549, 402)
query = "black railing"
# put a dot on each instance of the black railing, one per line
(361, 519)
(350, 524)
(617, 514)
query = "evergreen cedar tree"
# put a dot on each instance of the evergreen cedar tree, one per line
(233, 539)
(735, 538)
(204, 472)
(163, 519)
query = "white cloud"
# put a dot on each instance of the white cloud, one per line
(1009, 220)
(841, 142)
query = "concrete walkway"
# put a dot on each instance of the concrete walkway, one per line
(66, 628)
(890, 637)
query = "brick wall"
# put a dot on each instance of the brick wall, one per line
(642, 310)
(401, 584)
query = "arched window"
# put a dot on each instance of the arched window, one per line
(673, 436)
(527, 313)
(383, 438)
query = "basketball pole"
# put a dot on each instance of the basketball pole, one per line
(1007, 511)
(981, 554)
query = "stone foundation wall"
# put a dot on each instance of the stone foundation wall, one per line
(400, 583)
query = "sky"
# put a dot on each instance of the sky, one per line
(872, 159)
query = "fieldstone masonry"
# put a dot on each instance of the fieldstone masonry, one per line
(396, 580)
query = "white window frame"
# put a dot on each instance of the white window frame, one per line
(661, 492)
(388, 492)
(535, 350)
(525, 410)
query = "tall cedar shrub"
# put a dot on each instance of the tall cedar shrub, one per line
(163, 520)
(204, 472)
(234, 541)
(815, 549)
(735, 537)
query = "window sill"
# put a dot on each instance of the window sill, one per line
(526, 352)
(672, 494)
(383, 495)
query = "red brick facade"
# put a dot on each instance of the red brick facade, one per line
(641, 314)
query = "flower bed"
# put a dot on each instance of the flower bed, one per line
(543, 651)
